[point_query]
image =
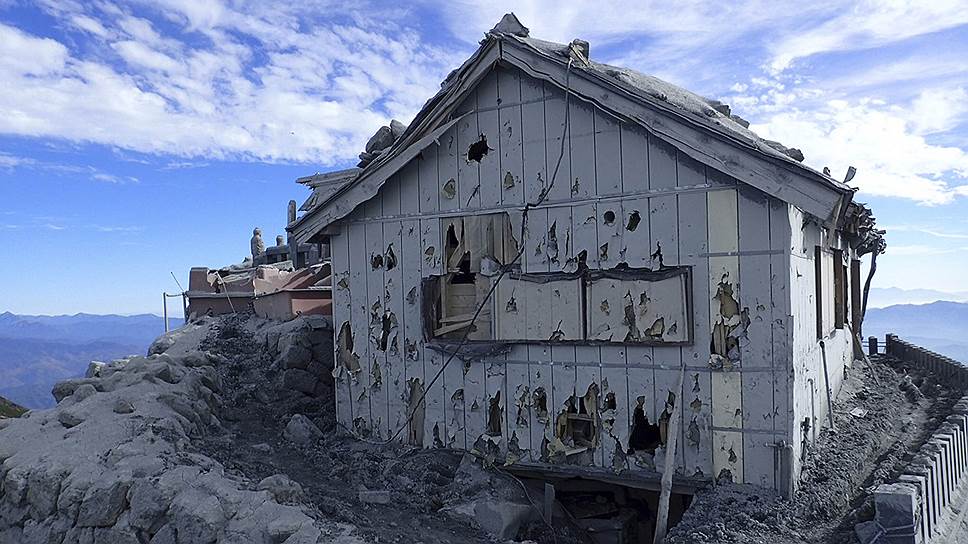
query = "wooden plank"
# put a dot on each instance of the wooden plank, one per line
(728, 454)
(491, 178)
(512, 137)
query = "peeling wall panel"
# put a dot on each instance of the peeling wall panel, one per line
(428, 182)
(584, 219)
(562, 388)
(376, 302)
(519, 409)
(396, 372)
(558, 240)
(535, 141)
(588, 388)
(667, 370)
(535, 256)
(495, 406)
(610, 230)
(728, 453)
(759, 455)
(468, 171)
(448, 403)
(359, 265)
(780, 332)
(693, 246)
(491, 180)
(342, 313)
(512, 144)
(542, 420)
(554, 125)
(475, 402)
(608, 155)
(411, 262)
(637, 248)
(641, 395)
(448, 156)
(616, 422)
(582, 145)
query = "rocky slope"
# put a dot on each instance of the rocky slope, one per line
(226, 433)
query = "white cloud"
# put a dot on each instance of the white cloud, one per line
(885, 143)
(8, 161)
(869, 24)
(240, 82)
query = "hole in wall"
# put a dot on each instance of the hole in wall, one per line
(634, 220)
(644, 435)
(391, 258)
(478, 150)
(540, 401)
(494, 415)
(608, 217)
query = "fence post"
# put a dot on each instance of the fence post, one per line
(872, 345)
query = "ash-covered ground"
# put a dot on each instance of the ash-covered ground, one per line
(226, 432)
(423, 502)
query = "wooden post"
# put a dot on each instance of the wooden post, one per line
(826, 382)
(872, 345)
(549, 502)
(662, 517)
(855, 294)
(164, 300)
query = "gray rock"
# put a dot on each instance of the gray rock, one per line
(300, 430)
(162, 344)
(84, 391)
(94, 370)
(300, 380)
(281, 488)
(375, 497)
(103, 503)
(70, 418)
(123, 406)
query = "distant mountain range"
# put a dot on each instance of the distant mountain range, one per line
(38, 351)
(881, 297)
(939, 326)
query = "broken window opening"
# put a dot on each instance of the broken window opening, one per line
(494, 411)
(478, 150)
(644, 436)
(577, 424)
(540, 401)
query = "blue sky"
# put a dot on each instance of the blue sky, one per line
(142, 138)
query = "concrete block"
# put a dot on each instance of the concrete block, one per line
(896, 512)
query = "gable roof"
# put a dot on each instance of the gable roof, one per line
(703, 129)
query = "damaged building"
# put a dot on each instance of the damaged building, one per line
(534, 265)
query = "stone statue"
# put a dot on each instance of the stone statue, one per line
(280, 241)
(256, 244)
(292, 212)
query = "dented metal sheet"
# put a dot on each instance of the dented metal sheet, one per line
(639, 311)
